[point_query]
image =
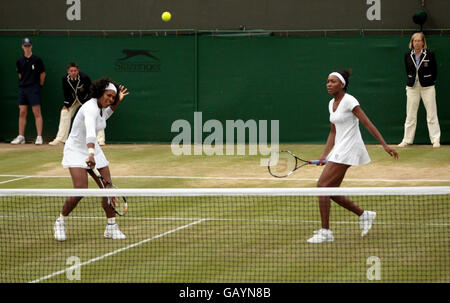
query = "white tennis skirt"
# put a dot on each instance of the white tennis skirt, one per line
(76, 156)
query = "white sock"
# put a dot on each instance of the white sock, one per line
(111, 221)
(62, 218)
(20, 136)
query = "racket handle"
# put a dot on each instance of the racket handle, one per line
(317, 161)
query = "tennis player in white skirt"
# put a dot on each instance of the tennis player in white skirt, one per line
(344, 148)
(82, 151)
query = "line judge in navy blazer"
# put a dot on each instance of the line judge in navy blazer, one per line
(421, 71)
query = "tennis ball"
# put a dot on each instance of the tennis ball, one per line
(166, 16)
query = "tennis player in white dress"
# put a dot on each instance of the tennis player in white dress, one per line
(343, 149)
(82, 151)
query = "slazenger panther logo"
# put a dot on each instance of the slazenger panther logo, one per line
(130, 53)
(136, 60)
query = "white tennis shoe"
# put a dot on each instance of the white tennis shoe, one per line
(112, 231)
(56, 142)
(321, 235)
(18, 140)
(365, 221)
(39, 140)
(60, 230)
(403, 144)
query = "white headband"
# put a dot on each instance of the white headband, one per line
(339, 76)
(111, 87)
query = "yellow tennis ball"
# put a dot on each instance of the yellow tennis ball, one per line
(166, 16)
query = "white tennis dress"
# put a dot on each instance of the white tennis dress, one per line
(86, 124)
(348, 147)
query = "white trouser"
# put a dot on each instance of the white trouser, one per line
(413, 96)
(65, 121)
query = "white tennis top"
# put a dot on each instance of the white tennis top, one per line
(86, 124)
(348, 147)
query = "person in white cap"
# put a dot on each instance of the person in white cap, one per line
(31, 72)
(82, 151)
(343, 149)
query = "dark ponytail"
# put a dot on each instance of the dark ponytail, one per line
(346, 73)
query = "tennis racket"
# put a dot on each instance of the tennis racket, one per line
(284, 163)
(119, 204)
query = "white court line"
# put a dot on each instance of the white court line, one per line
(115, 252)
(243, 178)
(197, 222)
(16, 179)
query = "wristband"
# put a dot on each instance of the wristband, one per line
(91, 150)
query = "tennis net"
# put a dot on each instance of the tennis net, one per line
(226, 235)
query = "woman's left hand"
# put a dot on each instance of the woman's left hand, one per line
(123, 91)
(391, 152)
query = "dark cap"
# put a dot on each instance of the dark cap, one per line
(26, 41)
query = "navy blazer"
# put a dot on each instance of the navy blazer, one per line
(77, 88)
(426, 70)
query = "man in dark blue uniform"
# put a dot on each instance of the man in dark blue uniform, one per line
(31, 72)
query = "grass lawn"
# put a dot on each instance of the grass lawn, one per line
(224, 239)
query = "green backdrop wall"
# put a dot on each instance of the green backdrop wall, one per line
(228, 78)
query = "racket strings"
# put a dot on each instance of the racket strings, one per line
(282, 164)
(119, 204)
